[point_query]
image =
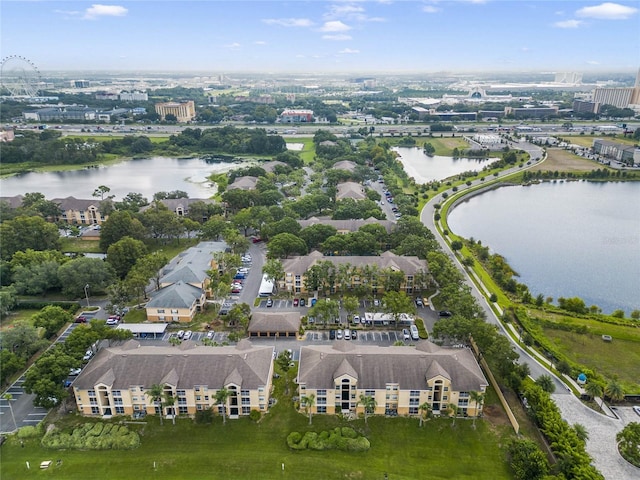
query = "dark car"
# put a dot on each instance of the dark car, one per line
(419, 302)
(296, 302)
(81, 319)
(332, 334)
(444, 313)
(302, 302)
(354, 334)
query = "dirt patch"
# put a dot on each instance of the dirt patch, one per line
(565, 161)
(495, 415)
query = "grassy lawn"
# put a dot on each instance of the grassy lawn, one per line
(308, 152)
(445, 145)
(16, 316)
(76, 245)
(565, 161)
(587, 140)
(248, 450)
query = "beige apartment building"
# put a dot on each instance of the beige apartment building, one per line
(117, 379)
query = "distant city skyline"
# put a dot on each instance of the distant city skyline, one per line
(382, 36)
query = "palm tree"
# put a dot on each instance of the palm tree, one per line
(478, 399)
(169, 401)
(581, 432)
(156, 392)
(8, 397)
(425, 410)
(545, 382)
(369, 405)
(453, 408)
(221, 398)
(594, 390)
(308, 401)
(614, 391)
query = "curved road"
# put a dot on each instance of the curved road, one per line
(601, 444)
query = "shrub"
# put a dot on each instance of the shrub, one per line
(28, 432)
(345, 439)
(255, 415)
(92, 436)
(204, 416)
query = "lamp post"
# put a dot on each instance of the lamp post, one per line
(86, 293)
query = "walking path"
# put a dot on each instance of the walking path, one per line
(602, 429)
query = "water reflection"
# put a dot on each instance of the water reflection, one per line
(424, 168)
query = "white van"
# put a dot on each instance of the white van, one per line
(414, 332)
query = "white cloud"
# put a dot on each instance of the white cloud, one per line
(568, 24)
(67, 12)
(430, 9)
(335, 26)
(233, 45)
(344, 10)
(97, 10)
(593, 62)
(338, 37)
(289, 22)
(348, 51)
(607, 11)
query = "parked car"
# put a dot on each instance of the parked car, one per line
(347, 334)
(354, 334)
(425, 301)
(296, 302)
(313, 301)
(210, 334)
(356, 319)
(419, 302)
(270, 303)
(180, 334)
(332, 334)
(376, 302)
(113, 320)
(81, 319)
(406, 336)
(339, 334)
(75, 372)
(302, 302)
(444, 313)
(256, 239)
(87, 355)
(187, 335)
(415, 335)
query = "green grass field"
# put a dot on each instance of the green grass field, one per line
(242, 449)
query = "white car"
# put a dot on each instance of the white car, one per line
(74, 372)
(406, 336)
(210, 334)
(87, 355)
(180, 334)
(356, 319)
(187, 335)
(112, 321)
(339, 334)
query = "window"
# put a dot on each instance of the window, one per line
(321, 409)
(95, 411)
(92, 393)
(116, 393)
(370, 393)
(119, 410)
(413, 410)
(414, 393)
(463, 402)
(246, 410)
(414, 401)
(464, 395)
(321, 393)
(246, 401)
(181, 393)
(198, 398)
(117, 401)
(244, 393)
(445, 398)
(183, 410)
(161, 318)
(174, 310)
(446, 389)
(161, 310)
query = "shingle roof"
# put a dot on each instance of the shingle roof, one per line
(350, 190)
(271, 166)
(375, 366)
(178, 295)
(406, 264)
(244, 183)
(274, 322)
(192, 265)
(134, 365)
(347, 165)
(351, 225)
(79, 204)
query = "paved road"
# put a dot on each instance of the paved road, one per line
(602, 429)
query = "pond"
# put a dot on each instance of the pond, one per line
(565, 239)
(424, 168)
(145, 176)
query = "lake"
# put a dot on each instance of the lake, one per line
(565, 239)
(145, 176)
(425, 169)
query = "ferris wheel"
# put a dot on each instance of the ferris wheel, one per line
(19, 76)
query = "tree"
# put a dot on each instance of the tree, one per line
(77, 273)
(351, 305)
(629, 443)
(581, 431)
(285, 244)
(429, 149)
(273, 270)
(51, 318)
(45, 377)
(453, 409)
(369, 405)
(396, 303)
(146, 268)
(8, 397)
(161, 223)
(425, 411)
(527, 461)
(101, 191)
(308, 401)
(221, 399)
(7, 300)
(594, 389)
(478, 399)
(156, 392)
(546, 383)
(123, 255)
(24, 232)
(284, 360)
(169, 401)
(120, 224)
(37, 278)
(614, 391)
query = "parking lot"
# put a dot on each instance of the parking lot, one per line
(218, 337)
(373, 337)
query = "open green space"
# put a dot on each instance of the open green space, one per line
(587, 140)
(77, 245)
(246, 449)
(445, 145)
(308, 152)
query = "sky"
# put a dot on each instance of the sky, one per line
(367, 36)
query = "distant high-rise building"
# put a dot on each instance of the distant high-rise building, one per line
(134, 96)
(620, 97)
(81, 83)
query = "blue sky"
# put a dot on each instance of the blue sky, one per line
(324, 36)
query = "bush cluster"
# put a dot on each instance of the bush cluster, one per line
(93, 436)
(345, 438)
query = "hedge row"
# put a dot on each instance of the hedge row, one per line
(71, 307)
(344, 438)
(93, 436)
(573, 459)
